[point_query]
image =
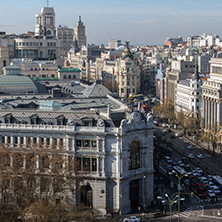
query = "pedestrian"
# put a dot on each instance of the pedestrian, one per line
(164, 210)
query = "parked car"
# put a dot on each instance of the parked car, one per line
(100, 217)
(190, 147)
(177, 134)
(191, 156)
(211, 194)
(200, 156)
(131, 219)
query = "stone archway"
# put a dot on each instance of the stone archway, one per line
(86, 195)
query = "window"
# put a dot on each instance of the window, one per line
(86, 143)
(86, 164)
(94, 164)
(134, 156)
(94, 143)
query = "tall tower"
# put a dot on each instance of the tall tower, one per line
(80, 34)
(45, 23)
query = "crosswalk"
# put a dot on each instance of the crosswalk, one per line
(192, 211)
(186, 213)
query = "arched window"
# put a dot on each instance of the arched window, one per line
(74, 76)
(134, 156)
(69, 77)
(65, 77)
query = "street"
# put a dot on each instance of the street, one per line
(197, 209)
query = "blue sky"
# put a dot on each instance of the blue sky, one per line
(139, 21)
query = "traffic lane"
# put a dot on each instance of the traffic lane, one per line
(209, 163)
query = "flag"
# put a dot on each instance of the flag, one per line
(113, 70)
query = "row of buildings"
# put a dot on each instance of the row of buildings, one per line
(191, 80)
(112, 143)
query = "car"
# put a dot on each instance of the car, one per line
(211, 194)
(187, 168)
(180, 163)
(211, 183)
(194, 172)
(169, 141)
(100, 217)
(190, 147)
(173, 136)
(156, 123)
(191, 156)
(132, 219)
(216, 189)
(184, 160)
(163, 132)
(200, 156)
(204, 179)
(199, 170)
(164, 125)
(168, 160)
(177, 134)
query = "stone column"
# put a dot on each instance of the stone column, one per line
(218, 112)
(6, 139)
(19, 140)
(12, 141)
(206, 115)
(50, 141)
(208, 118)
(215, 114)
(212, 115)
(25, 140)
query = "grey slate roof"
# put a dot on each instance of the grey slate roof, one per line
(96, 90)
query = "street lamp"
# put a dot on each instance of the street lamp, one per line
(170, 200)
(179, 180)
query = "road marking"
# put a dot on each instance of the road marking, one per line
(212, 217)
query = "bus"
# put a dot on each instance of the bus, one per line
(197, 186)
(218, 180)
(179, 171)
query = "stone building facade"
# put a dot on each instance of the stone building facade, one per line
(115, 146)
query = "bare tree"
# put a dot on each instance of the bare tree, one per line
(34, 179)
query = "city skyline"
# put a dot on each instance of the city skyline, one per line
(146, 22)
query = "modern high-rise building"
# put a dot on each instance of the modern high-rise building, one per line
(80, 33)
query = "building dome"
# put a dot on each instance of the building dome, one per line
(127, 53)
(13, 82)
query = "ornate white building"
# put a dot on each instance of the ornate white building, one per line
(212, 95)
(116, 147)
(128, 74)
(189, 96)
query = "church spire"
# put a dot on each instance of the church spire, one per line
(80, 18)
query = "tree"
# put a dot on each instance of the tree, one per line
(111, 85)
(36, 177)
(166, 110)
